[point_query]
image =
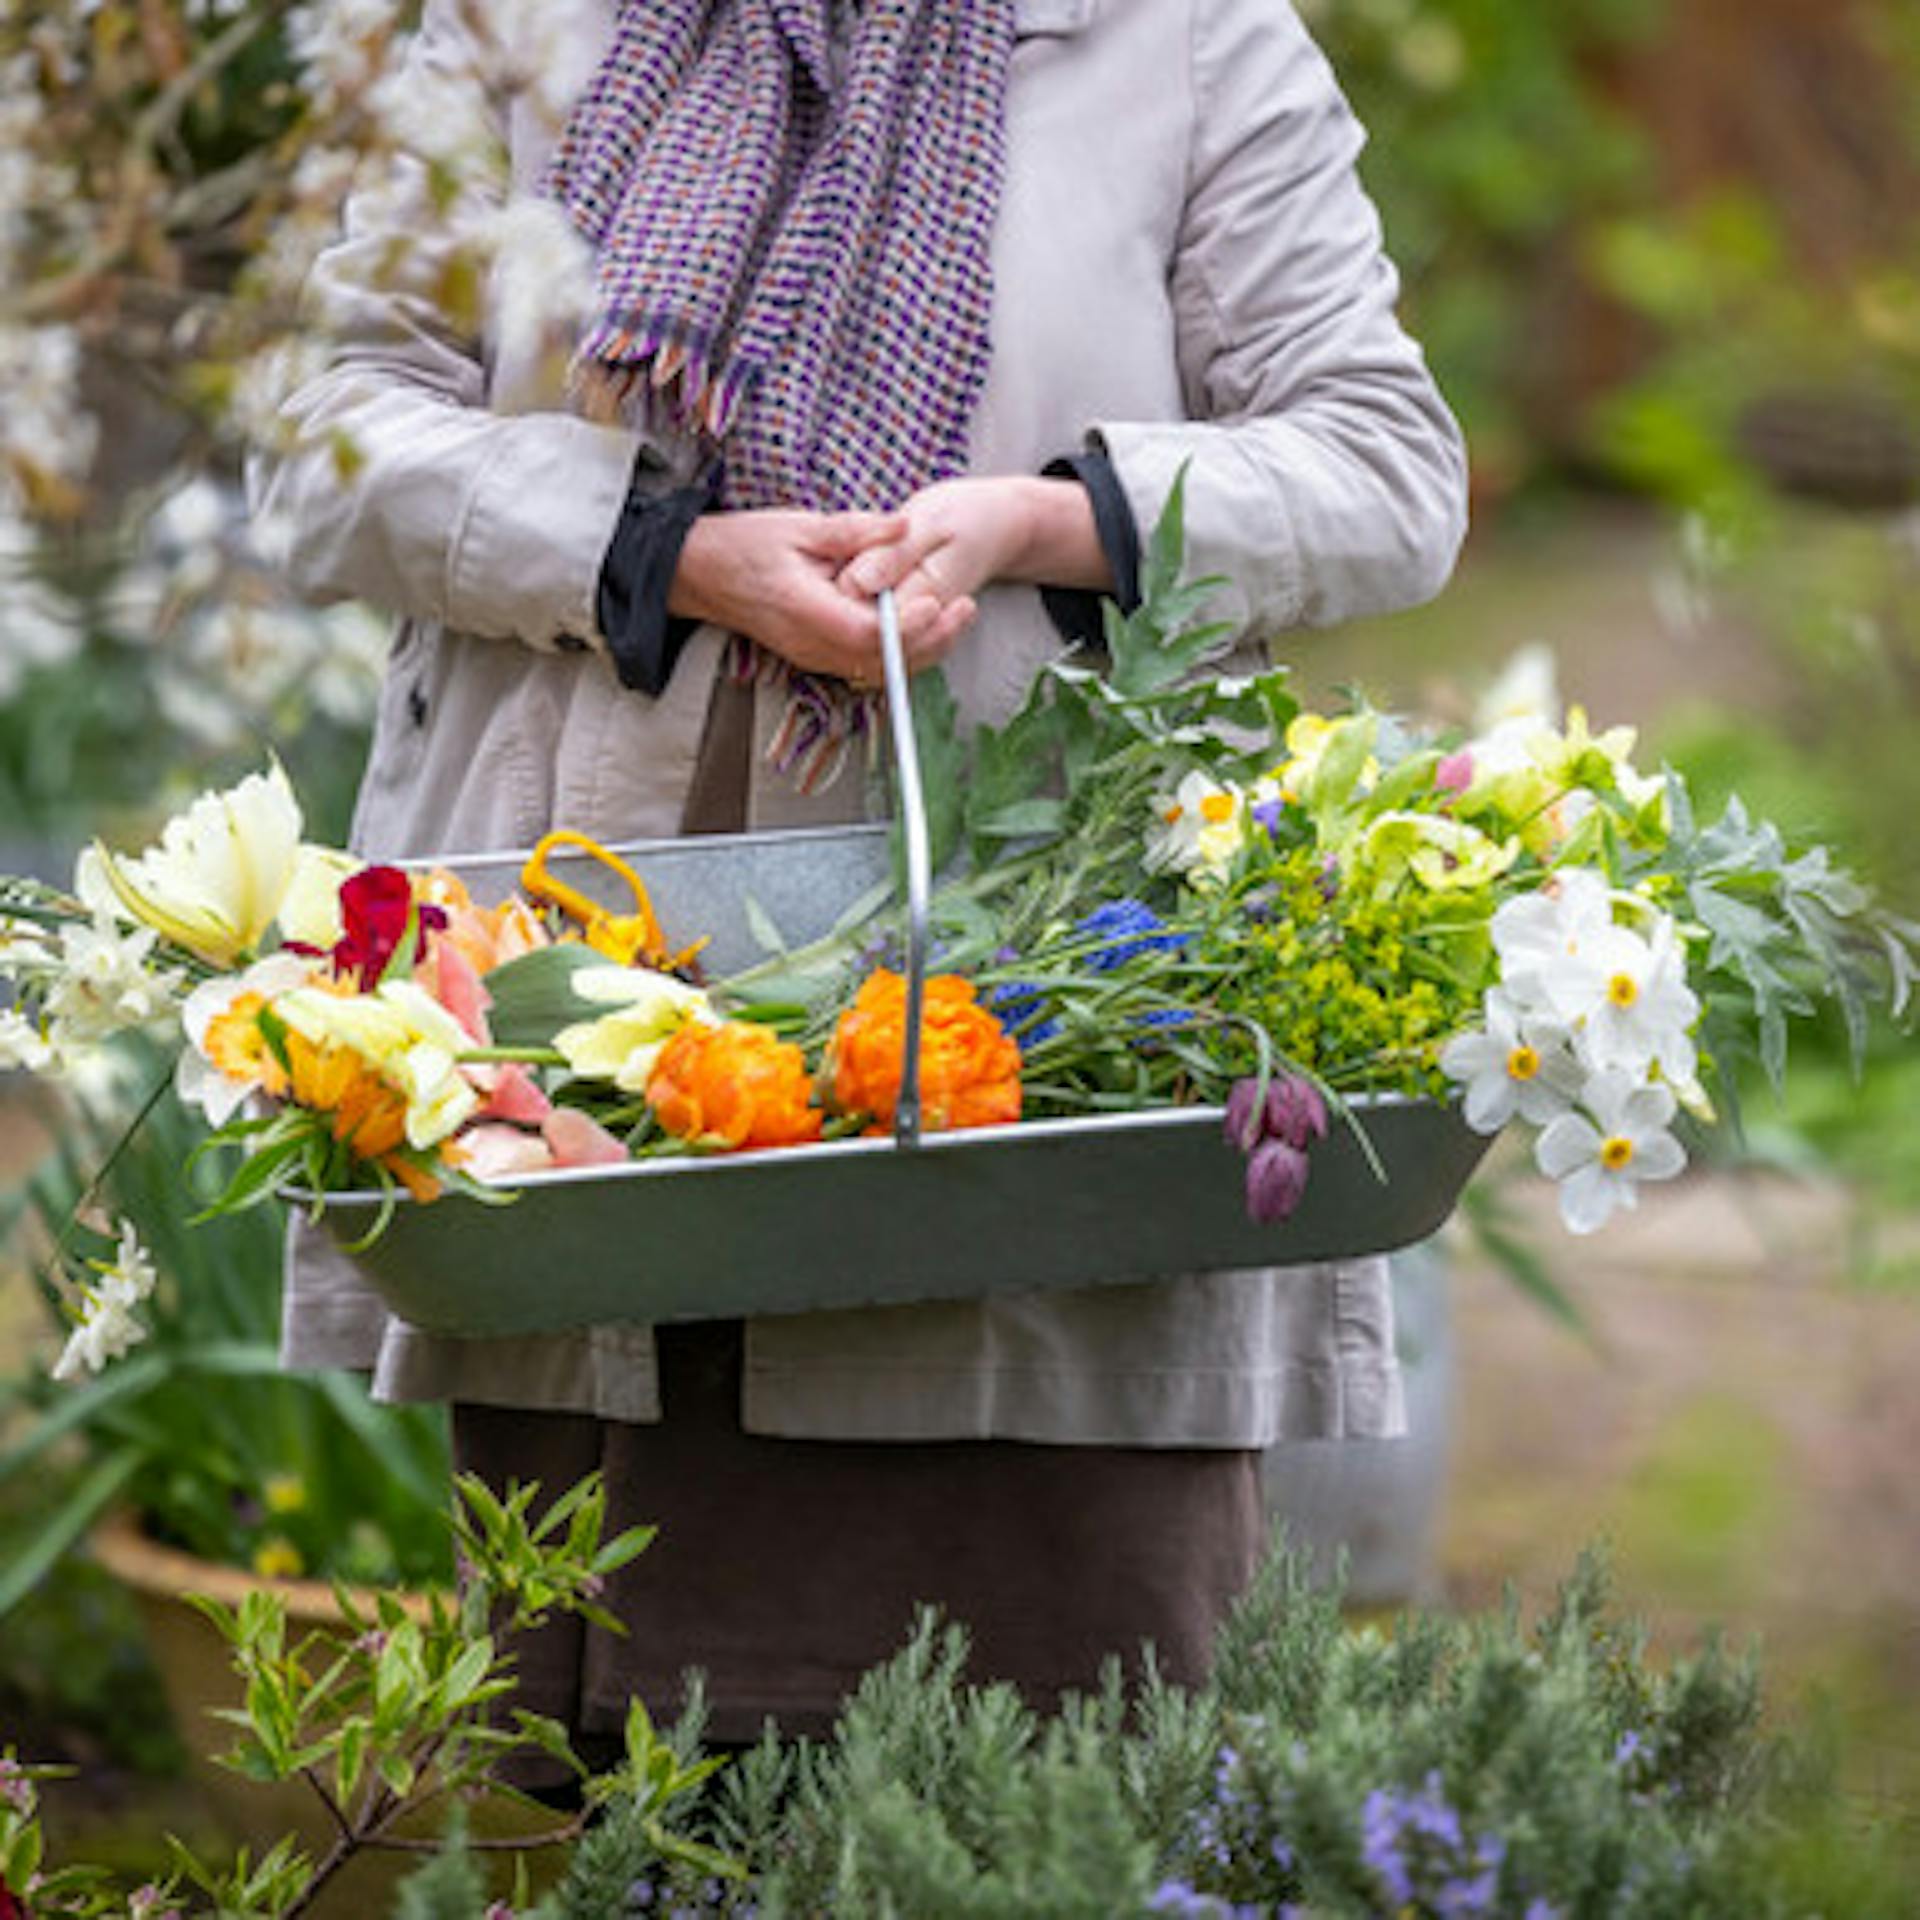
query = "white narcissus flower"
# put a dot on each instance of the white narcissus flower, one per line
(216, 879)
(1600, 1160)
(622, 1046)
(1632, 1004)
(1518, 1063)
(1538, 935)
(105, 983)
(22, 1044)
(107, 1329)
(108, 1326)
(1202, 825)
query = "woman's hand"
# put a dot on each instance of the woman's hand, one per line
(958, 536)
(773, 576)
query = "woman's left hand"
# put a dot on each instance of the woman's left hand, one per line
(959, 536)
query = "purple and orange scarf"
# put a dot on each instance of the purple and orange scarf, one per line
(793, 240)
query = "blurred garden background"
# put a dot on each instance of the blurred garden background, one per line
(1665, 255)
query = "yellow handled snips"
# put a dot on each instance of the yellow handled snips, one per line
(631, 939)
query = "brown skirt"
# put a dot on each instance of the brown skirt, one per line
(785, 1568)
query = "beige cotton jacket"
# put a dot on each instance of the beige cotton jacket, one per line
(1186, 272)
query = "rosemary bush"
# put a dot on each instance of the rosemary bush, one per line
(1454, 1766)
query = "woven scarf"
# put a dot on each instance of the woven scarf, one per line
(793, 245)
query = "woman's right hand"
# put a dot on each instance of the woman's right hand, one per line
(771, 575)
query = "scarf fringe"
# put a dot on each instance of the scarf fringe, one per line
(821, 723)
(658, 361)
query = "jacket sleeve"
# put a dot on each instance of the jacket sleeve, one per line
(389, 478)
(1326, 476)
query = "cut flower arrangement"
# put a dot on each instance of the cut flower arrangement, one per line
(1161, 887)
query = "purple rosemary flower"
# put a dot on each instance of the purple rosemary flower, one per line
(1380, 1846)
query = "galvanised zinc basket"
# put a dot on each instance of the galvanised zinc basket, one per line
(1054, 1203)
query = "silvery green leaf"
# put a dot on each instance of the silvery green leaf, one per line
(766, 936)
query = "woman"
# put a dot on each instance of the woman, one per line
(924, 293)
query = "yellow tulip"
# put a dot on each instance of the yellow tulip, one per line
(622, 1046)
(217, 876)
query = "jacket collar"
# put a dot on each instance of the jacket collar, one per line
(1032, 17)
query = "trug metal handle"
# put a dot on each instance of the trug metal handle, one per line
(913, 818)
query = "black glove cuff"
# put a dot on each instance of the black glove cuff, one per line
(636, 578)
(1076, 610)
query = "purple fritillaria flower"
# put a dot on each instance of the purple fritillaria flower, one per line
(1246, 1122)
(1295, 1111)
(1276, 1181)
(1266, 814)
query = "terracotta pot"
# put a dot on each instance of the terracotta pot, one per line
(197, 1676)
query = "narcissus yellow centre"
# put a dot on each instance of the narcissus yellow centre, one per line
(1217, 809)
(1523, 1063)
(1616, 1153)
(1623, 990)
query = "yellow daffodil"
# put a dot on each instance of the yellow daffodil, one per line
(215, 880)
